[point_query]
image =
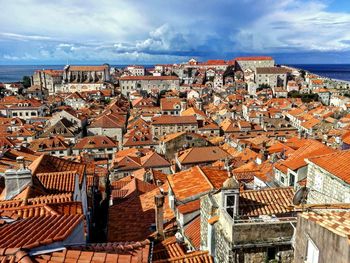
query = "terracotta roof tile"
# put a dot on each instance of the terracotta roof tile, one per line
(168, 248)
(202, 155)
(309, 149)
(132, 220)
(189, 207)
(267, 201)
(37, 231)
(97, 141)
(335, 221)
(14, 255)
(193, 233)
(149, 78)
(58, 181)
(336, 163)
(167, 119)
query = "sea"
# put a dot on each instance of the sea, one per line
(332, 71)
(13, 73)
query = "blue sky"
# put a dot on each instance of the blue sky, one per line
(158, 31)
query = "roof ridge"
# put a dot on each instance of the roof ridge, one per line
(329, 154)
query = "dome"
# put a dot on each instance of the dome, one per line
(230, 183)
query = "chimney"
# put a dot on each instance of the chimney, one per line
(159, 202)
(21, 162)
(183, 105)
(17, 180)
(199, 104)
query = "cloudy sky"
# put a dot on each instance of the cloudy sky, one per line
(168, 31)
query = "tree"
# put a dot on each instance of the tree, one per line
(263, 87)
(26, 81)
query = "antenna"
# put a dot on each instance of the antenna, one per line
(300, 196)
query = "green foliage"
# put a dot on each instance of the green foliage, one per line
(263, 87)
(26, 81)
(304, 97)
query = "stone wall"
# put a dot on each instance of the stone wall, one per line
(206, 208)
(253, 64)
(261, 232)
(259, 255)
(332, 247)
(164, 129)
(332, 190)
(176, 144)
(223, 251)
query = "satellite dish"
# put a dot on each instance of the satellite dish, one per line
(300, 196)
(179, 237)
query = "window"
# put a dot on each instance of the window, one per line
(230, 204)
(271, 253)
(282, 179)
(312, 252)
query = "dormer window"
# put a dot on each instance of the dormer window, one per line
(230, 197)
(230, 204)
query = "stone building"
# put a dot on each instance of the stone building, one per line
(136, 70)
(247, 226)
(98, 147)
(126, 162)
(85, 78)
(171, 143)
(25, 109)
(245, 63)
(322, 237)
(129, 84)
(163, 125)
(328, 178)
(200, 156)
(47, 79)
(272, 76)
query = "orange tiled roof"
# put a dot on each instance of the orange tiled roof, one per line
(202, 155)
(149, 78)
(169, 250)
(195, 181)
(49, 199)
(49, 144)
(38, 231)
(167, 119)
(193, 232)
(58, 181)
(254, 58)
(12, 255)
(336, 222)
(132, 220)
(168, 104)
(31, 211)
(336, 163)
(269, 201)
(88, 68)
(102, 252)
(192, 112)
(197, 256)
(311, 148)
(48, 163)
(189, 207)
(97, 141)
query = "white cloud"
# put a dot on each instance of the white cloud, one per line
(297, 25)
(22, 37)
(157, 30)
